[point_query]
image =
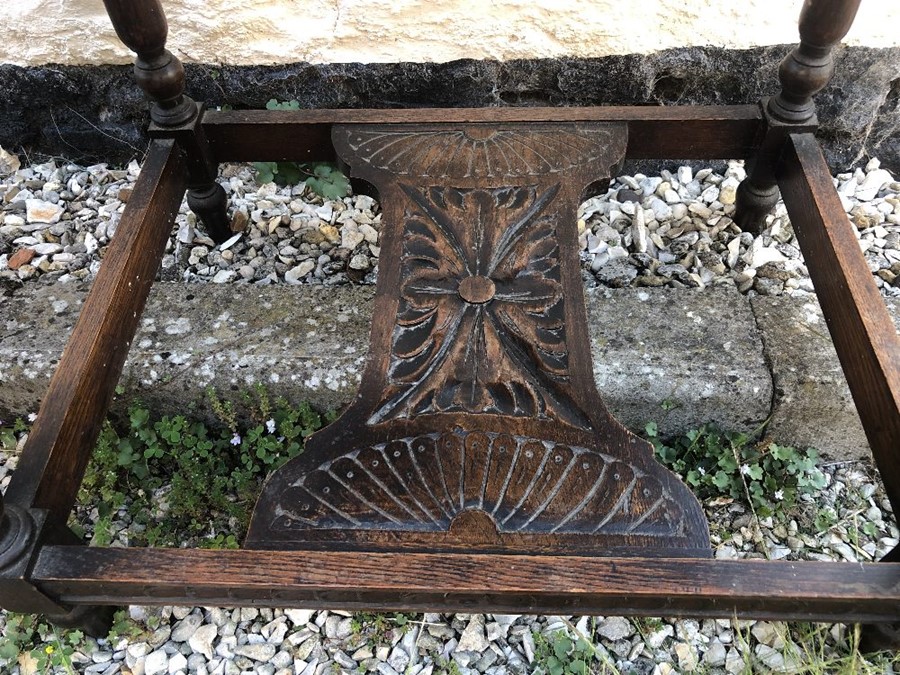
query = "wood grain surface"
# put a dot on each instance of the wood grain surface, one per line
(677, 132)
(469, 582)
(68, 423)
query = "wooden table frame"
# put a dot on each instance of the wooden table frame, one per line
(44, 568)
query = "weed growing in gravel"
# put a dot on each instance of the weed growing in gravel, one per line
(323, 178)
(123, 626)
(37, 646)
(561, 654)
(812, 649)
(558, 654)
(181, 481)
(826, 518)
(443, 665)
(379, 628)
(10, 433)
(823, 648)
(717, 463)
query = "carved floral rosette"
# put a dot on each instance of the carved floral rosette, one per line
(477, 422)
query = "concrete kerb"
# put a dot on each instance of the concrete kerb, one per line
(812, 403)
(678, 357)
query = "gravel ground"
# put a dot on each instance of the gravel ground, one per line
(674, 229)
(831, 526)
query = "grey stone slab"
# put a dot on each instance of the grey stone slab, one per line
(34, 324)
(812, 405)
(681, 358)
(303, 343)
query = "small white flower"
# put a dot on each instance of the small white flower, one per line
(270, 426)
(745, 469)
(779, 494)
(236, 439)
(701, 470)
(32, 417)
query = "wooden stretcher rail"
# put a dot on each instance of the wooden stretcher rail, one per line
(60, 443)
(492, 583)
(677, 132)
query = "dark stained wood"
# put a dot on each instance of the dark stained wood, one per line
(803, 73)
(876, 637)
(758, 193)
(19, 532)
(678, 132)
(478, 468)
(59, 445)
(22, 533)
(141, 25)
(211, 206)
(463, 582)
(862, 331)
(268, 118)
(205, 196)
(477, 425)
(809, 67)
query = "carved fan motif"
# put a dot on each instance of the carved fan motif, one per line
(481, 326)
(523, 484)
(480, 151)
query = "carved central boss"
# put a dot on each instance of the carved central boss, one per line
(477, 423)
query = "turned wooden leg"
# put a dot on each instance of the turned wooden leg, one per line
(21, 530)
(141, 25)
(211, 206)
(803, 73)
(756, 197)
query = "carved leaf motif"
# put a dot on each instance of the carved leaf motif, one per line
(481, 325)
(488, 151)
(523, 484)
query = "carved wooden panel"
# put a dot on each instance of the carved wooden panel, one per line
(523, 484)
(481, 151)
(477, 424)
(480, 327)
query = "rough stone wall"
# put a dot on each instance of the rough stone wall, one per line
(236, 32)
(67, 91)
(96, 113)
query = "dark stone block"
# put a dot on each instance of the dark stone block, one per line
(94, 113)
(862, 107)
